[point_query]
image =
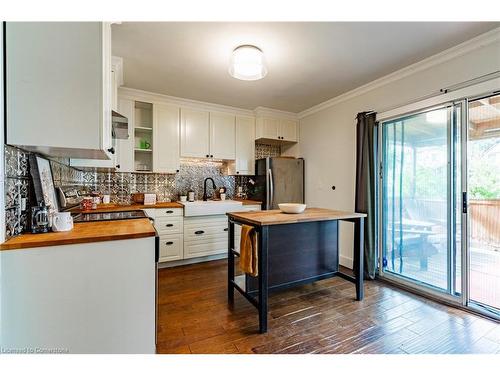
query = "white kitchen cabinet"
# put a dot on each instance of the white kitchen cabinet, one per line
(96, 297)
(166, 138)
(289, 130)
(277, 130)
(195, 134)
(205, 235)
(244, 163)
(125, 147)
(58, 78)
(222, 136)
(171, 248)
(169, 224)
(268, 128)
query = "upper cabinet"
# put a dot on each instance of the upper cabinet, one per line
(207, 134)
(222, 133)
(195, 133)
(125, 147)
(58, 82)
(276, 130)
(166, 138)
(244, 163)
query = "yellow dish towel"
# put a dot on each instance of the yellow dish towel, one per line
(248, 250)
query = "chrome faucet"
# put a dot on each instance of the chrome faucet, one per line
(205, 187)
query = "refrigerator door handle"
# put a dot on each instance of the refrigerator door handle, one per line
(271, 188)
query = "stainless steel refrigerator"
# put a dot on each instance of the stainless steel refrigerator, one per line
(278, 180)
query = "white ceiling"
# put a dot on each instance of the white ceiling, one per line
(308, 62)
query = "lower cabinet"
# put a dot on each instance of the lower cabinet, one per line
(192, 237)
(171, 247)
(205, 235)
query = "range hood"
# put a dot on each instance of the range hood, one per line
(120, 126)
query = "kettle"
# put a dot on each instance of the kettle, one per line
(40, 222)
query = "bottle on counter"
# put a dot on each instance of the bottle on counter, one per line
(190, 196)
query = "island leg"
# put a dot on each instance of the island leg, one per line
(361, 251)
(230, 262)
(263, 278)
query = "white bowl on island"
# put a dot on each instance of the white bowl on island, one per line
(292, 208)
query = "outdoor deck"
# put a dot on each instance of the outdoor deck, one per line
(484, 252)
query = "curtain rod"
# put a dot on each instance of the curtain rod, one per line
(458, 86)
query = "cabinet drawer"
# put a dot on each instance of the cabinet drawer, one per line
(171, 248)
(166, 212)
(168, 225)
(204, 248)
(195, 233)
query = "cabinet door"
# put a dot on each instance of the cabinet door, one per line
(166, 139)
(58, 74)
(245, 145)
(125, 147)
(222, 136)
(171, 248)
(194, 133)
(288, 130)
(270, 128)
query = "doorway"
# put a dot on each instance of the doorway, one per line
(439, 201)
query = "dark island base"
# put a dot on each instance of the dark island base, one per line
(299, 254)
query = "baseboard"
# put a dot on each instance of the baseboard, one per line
(346, 261)
(184, 262)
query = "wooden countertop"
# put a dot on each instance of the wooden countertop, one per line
(114, 207)
(248, 202)
(275, 217)
(83, 233)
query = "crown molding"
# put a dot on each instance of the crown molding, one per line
(265, 111)
(482, 40)
(130, 93)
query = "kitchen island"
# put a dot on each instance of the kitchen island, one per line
(88, 290)
(293, 249)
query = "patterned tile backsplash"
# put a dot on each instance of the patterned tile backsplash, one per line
(19, 192)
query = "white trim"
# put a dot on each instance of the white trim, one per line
(117, 66)
(346, 261)
(2, 143)
(461, 49)
(265, 111)
(474, 90)
(136, 94)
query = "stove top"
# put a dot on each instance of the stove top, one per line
(105, 216)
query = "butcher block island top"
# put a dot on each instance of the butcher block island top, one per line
(276, 217)
(84, 233)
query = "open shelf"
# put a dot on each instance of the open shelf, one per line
(143, 149)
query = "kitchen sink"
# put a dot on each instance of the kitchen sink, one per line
(203, 208)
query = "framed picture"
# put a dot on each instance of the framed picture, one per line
(43, 183)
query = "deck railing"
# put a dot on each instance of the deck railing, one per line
(485, 221)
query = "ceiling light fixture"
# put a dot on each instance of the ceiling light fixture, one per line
(247, 63)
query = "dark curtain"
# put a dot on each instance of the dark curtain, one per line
(366, 153)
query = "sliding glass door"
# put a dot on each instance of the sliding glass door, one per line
(483, 209)
(439, 201)
(419, 184)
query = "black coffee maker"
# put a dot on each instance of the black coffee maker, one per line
(40, 221)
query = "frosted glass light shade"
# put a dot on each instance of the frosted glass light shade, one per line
(247, 63)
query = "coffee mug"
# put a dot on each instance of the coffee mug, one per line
(62, 222)
(145, 145)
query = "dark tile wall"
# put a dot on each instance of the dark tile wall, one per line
(119, 185)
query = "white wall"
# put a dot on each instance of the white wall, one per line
(327, 137)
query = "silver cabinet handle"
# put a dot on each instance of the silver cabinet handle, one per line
(271, 188)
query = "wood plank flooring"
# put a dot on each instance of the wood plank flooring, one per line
(194, 317)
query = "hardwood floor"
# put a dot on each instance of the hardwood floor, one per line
(323, 317)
